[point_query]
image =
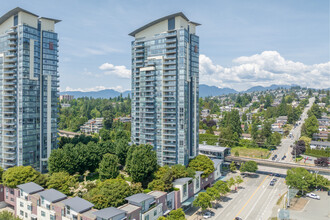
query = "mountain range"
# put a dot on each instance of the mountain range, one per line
(204, 91)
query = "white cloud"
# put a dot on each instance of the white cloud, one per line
(263, 69)
(94, 89)
(120, 71)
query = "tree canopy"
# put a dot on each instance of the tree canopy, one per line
(202, 163)
(62, 181)
(22, 174)
(142, 164)
(249, 166)
(111, 192)
(203, 200)
(108, 167)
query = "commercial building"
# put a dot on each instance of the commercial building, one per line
(29, 89)
(165, 91)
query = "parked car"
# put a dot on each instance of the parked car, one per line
(238, 218)
(313, 196)
(272, 183)
(207, 215)
(274, 180)
(277, 175)
(329, 193)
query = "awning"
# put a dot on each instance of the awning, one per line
(188, 201)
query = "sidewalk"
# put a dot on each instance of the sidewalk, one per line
(225, 201)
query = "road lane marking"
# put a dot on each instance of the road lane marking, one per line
(251, 196)
(256, 202)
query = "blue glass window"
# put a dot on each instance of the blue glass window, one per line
(171, 24)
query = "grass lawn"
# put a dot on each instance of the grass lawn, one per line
(251, 152)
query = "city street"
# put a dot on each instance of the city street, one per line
(254, 200)
(284, 148)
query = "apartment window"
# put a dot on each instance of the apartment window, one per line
(26, 215)
(184, 190)
(21, 204)
(155, 212)
(146, 217)
(43, 214)
(21, 213)
(29, 207)
(52, 217)
(171, 24)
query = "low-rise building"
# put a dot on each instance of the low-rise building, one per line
(92, 126)
(319, 144)
(282, 119)
(214, 152)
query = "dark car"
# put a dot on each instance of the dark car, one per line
(274, 180)
(275, 155)
(273, 158)
(272, 183)
(238, 218)
(277, 175)
(329, 193)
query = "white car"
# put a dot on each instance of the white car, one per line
(313, 196)
(207, 215)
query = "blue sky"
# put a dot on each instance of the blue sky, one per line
(242, 43)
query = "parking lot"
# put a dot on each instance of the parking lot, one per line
(314, 209)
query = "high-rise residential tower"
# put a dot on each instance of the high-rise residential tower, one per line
(165, 79)
(28, 89)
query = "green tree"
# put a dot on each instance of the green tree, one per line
(6, 215)
(202, 163)
(310, 127)
(121, 150)
(213, 193)
(233, 166)
(62, 181)
(176, 215)
(249, 166)
(275, 139)
(231, 182)
(111, 192)
(238, 180)
(19, 175)
(203, 200)
(315, 110)
(222, 187)
(142, 164)
(108, 167)
(158, 185)
(299, 178)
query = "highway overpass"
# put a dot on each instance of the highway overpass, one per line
(282, 165)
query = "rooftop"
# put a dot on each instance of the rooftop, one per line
(78, 204)
(157, 194)
(322, 143)
(160, 20)
(182, 180)
(140, 197)
(108, 212)
(52, 195)
(212, 148)
(129, 208)
(30, 187)
(16, 10)
(216, 162)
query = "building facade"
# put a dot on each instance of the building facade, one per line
(29, 89)
(165, 91)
